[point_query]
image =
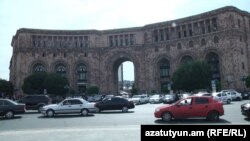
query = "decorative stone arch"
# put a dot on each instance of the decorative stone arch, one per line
(213, 58)
(111, 67)
(80, 84)
(183, 54)
(36, 62)
(161, 64)
(186, 58)
(60, 62)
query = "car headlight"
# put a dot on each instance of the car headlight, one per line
(157, 109)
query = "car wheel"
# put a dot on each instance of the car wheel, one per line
(84, 112)
(213, 116)
(50, 113)
(9, 114)
(167, 116)
(39, 109)
(98, 110)
(228, 101)
(125, 109)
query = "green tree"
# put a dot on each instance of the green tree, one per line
(6, 87)
(192, 76)
(92, 90)
(33, 84)
(247, 81)
(134, 90)
(56, 84)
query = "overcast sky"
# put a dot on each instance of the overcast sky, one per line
(94, 14)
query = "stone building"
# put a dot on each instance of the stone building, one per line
(92, 57)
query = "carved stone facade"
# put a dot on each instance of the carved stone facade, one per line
(92, 57)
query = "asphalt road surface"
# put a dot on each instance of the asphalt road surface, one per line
(105, 126)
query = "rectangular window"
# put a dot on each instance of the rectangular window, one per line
(214, 23)
(131, 39)
(243, 66)
(185, 33)
(203, 30)
(116, 40)
(126, 40)
(121, 40)
(111, 41)
(239, 23)
(86, 38)
(190, 32)
(156, 35)
(161, 35)
(179, 34)
(201, 100)
(208, 28)
(166, 34)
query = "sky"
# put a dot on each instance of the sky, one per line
(94, 14)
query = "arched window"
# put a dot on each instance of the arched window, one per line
(179, 46)
(216, 39)
(38, 68)
(191, 43)
(213, 61)
(81, 73)
(61, 70)
(203, 42)
(186, 59)
(164, 68)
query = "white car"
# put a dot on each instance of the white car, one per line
(69, 106)
(155, 99)
(223, 97)
(234, 94)
(139, 99)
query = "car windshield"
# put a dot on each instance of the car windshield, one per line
(13, 102)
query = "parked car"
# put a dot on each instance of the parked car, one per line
(184, 95)
(139, 99)
(245, 109)
(234, 94)
(114, 103)
(9, 108)
(194, 106)
(69, 106)
(35, 102)
(203, 93)
(223, 97)
(155, 99)
(170, 98)
(245, 95)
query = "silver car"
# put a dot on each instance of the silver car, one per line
(69, 106)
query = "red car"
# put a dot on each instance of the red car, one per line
(194, 106)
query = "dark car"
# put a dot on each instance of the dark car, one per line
(245, 95)
(170, 98)
(9, 108)
(245, 109)
(114, 103)
(35, 102)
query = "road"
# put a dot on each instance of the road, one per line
(105, 126)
